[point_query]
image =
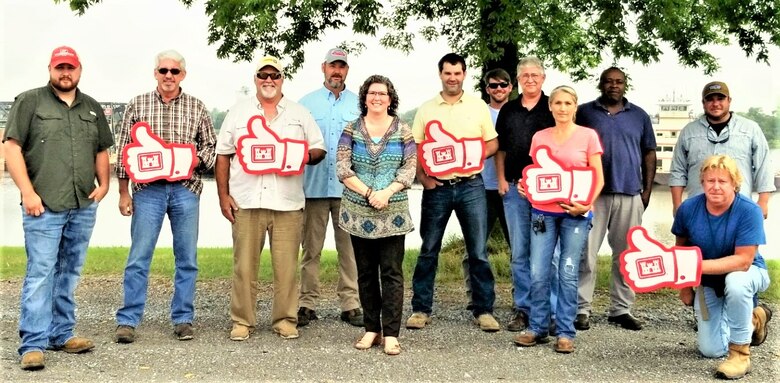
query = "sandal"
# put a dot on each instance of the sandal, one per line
(368, 340)
(392, 347)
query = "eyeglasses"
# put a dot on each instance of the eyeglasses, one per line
(715, 138)
(164, 71)
(265, 75)
(377, 94)
(532, 76)
(495, 85)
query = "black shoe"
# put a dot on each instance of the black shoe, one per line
(306, 315)
(519, 321)
(183, 331)
(582, 322)
(353, 317)
(626, 321)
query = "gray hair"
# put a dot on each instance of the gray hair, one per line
(170, 55)
(530, 61)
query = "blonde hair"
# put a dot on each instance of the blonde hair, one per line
(565, 89)
(722, 162)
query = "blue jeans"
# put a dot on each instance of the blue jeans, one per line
(467, 199)
(56, 246)
(572, 233)
(518, 218)
(730, 316)
(150, 205)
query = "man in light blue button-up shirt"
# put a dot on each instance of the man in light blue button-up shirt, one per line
(333, 106)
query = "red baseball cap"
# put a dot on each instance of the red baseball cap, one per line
(64, 55)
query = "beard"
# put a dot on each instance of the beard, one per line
(61, 86)
(336, 82)
(268, 92)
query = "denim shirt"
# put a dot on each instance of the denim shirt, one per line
(746, 144)
(489, 166)
(332, 115)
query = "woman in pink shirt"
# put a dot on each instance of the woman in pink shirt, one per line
(570, 145)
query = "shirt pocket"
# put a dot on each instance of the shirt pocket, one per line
(87, 127)
(349, 116)
(49, 127)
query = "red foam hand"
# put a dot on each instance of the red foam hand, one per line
(647, 265)
(443, 154)
(148, 158)
(547, 181)
(261, 151)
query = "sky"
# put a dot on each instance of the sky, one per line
(118, 39)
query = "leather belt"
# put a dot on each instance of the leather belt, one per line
(456, 180)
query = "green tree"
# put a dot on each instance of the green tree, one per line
(770, 124)
(573, 36)
(217, 116)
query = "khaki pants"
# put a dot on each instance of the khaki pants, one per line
(613, 216)
(317, 212)
(284, 229)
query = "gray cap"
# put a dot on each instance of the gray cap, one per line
(336, 54)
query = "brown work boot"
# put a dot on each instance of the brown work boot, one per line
(32, 360)
(761, 317)
(737, 364)
(76, 345)
(125, 334)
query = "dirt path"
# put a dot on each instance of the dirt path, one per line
(451, 349)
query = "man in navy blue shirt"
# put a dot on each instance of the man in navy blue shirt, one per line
(628, 140)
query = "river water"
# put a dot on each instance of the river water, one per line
(113, 229)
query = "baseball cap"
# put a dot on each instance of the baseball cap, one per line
(336, 54)
(715, 87)
(64, 55)
(269, 61)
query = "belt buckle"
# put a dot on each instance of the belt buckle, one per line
(454, 181)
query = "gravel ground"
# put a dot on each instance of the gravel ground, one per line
(451, 349)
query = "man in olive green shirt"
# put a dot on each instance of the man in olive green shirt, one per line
(56, 145)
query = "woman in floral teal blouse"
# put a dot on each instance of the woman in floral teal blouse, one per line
(376, 162)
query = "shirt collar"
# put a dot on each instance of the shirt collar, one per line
(626, 104)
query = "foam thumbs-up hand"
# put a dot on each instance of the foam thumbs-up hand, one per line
(148, 158)
(647, 265)
(547, 181)
(444, 154)
(261, 151)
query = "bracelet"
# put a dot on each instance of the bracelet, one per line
(368, 193)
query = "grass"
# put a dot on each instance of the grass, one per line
(217, 263)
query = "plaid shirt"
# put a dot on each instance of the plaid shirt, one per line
(184, 120)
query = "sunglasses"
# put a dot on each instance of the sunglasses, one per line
(716, 138)
(495, 85)
(265, 75)
(164, 71)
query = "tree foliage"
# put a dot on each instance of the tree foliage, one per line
(572, 36)
(770, 124)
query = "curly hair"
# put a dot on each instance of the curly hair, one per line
(378, 79)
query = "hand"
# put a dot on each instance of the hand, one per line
(261, 151)
(687, 295)
(521, 190)
(33, 205)
(574, 209)
(380, 199)
(428, 183)
(99, 193)
(443, 154)
(125, 204)
(228, 205)
(647, 265)
(546, 181)
(503, 187)
(149, 158)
